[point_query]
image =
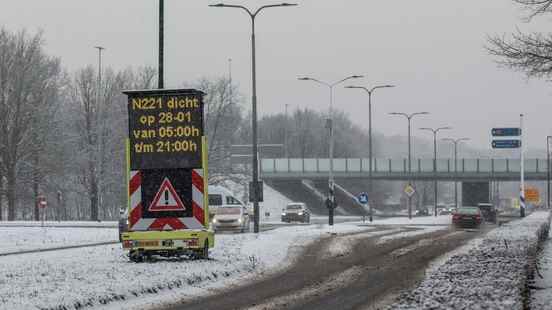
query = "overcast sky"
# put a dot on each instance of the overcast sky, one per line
(433, 50)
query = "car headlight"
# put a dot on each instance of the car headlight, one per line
(239, 220)
(214, 220)
(284, 214)
(300, 213)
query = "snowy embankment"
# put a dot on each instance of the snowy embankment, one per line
(492, 273)
(15, 239)
(270, 208)
(103, 277)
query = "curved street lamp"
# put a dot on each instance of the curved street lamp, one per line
(455, 142)
(253, 15)
(409, 119)
(435, 131)
(331, 196)
(370, 91)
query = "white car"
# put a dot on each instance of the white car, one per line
(231, 218)
(222, 198)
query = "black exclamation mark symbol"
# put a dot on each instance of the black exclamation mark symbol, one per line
(166, 197)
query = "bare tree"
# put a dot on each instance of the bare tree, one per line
(28, 84)
(529, 53)
(536, 7)
(222, 120)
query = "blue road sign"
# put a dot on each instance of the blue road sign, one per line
(506, 144)
(363, 198)
(506, 132)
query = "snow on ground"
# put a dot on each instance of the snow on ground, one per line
(421, 230)
(16, 239)
(490, 273)
(343, 245)
(102, 275)
(59, 224)
(420, 220)
(542, 287)
(273, 203)
(329, 284)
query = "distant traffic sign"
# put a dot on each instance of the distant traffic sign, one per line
(506, 144)
(42, 203)
(409, 190)
(532, 195)
(506, 132)
(363, 198)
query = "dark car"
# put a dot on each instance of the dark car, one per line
(123, 223)
(488, 211)
(445, 212)
(467, 217)
(422, 212)
(296, 212)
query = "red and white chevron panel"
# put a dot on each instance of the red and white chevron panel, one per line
(197, 195)
(138, 223)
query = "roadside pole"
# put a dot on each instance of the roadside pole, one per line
(522, 170)
(160, 79)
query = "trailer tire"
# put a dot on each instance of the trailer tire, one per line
(136, 256)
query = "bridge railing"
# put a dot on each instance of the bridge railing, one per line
(361, 165)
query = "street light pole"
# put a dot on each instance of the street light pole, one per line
(548, 171)
(409, 118)
(286, 155)
(99, 138)
(331, 188)
(435, 131)
(455, 142)
(255, 167)
(370, 153)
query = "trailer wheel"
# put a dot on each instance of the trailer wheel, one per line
(136, 256)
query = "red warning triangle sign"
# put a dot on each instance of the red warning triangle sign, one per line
(166, 199)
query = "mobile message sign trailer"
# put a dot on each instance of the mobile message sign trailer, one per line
(168, 211)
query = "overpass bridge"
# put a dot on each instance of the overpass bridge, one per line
(468, 170)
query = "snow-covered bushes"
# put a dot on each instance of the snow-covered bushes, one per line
(493, 274)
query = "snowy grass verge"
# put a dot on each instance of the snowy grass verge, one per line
(15, 239)
(91, 224)
(493, 273)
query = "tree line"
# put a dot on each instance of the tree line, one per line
(62, 133)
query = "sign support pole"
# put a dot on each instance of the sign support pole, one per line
(522, 170)
(160, 80)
